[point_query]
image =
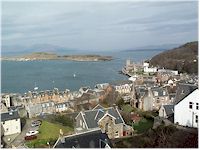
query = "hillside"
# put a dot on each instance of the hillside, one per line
(183, 58)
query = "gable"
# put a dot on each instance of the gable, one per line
(192, 97)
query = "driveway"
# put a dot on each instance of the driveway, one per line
(19, 140)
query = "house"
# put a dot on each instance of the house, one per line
(166, 111)
(21, 110)
(186, 109)
(161, 97)
(102, 86)
(87, 99)
(11, 122)
(3, 108)
(48, 107)
(6, 99)
(84, 89)
(89, 139)
(109, 120)
(123, 87)
(33, 110)
(147, 69)
(61, 107)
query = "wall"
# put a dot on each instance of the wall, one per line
(183, 114)
(12, 126)
(114, 130)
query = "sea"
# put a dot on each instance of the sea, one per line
(23, 76)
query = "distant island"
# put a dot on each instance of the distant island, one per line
(53, 56)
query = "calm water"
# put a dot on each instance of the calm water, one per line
(22, 76)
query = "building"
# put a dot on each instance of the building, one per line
(186, 105)
(161, 97)
(123, 87)
(166, 111)
(108, 120)
(61, 107)
(11, 122)
(147, 69)
(89, 139)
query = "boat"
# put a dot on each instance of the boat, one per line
(74, 75)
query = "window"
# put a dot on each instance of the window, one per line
(80, 122)
(196, 119)
(190, 105)
(197, 106)
(116, 134)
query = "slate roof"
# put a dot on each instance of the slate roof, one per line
(91, 139)
(169, 109)
(183, 90)
(160, 91)
(140, 91)
(6, 116)
(92, 116)
(122, 82)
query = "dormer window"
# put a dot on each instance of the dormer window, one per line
(182, 92)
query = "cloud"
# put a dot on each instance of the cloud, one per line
(98, 25)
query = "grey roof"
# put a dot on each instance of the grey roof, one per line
(9, 116)
(91, 139)
(183, 90)
(169, 109)
(160, 91)
(122, 82)
(92, 116)
(140, 91)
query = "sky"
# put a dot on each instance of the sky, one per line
(95, 25)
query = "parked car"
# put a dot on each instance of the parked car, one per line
(32, 137)
(36, 123)
(29, 133)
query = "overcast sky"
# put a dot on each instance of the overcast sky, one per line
(99, 25)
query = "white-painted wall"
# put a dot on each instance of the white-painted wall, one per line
(123, 89)
(185, 116)
(147, 69)
(11, 126)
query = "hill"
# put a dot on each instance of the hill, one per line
(183, 58)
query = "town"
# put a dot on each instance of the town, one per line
(110, 115)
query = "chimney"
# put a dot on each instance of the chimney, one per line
(115, 106)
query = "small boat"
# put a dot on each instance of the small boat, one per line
(35, 88)
(74, 75)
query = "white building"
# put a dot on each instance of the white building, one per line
(123, 87)
(186, 110)
(11, 122)
(6, 98)
(147, 69)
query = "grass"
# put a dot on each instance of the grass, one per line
(48, 132)
(127, 108)
(143, 125)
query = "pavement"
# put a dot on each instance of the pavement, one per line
(17, 140)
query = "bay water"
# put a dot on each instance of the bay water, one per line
(23, 76)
